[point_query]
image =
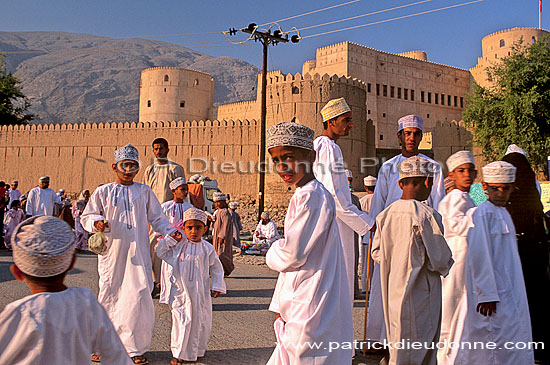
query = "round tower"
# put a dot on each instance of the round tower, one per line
(173, 94)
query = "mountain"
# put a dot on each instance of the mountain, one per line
(72, 77)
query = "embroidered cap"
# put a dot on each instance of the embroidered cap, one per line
(127, 152)
(460, 158)
(43, 246)
(335, 108)
(219, 196)
(177, 182)
(515, 149)
(290, 134)
(265, 215)
(499, 172)
(233, 205)
(369, 181)
(196, 214)
(415, 166)
(349, 174)
(410, 121)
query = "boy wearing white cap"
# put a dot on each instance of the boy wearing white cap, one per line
(413, 255)
(56, 324)
(329, 171)
(311, 297)
(456, 208)
(222, 233)
(497, 302)
(174, 210)
(193, 261)
(125, 273)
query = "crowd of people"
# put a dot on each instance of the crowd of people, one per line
(443, 270)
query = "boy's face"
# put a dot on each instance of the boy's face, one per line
(464, 176)
(410, 138)
(292, 164)
(180, 193)
(498, 194)
(16, 206)
(425, 189)
(194, 230)
(125, 171)
(341, 125)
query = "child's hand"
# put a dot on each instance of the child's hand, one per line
(486, 309)
(101, 225)
(177, 236)
(216, 294)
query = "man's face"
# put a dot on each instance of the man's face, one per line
(292, 164)
(44, 184)
(180, 192)
(410, 138)
(220, 204)
(341, 125)
(194, 230)
(264, 221)
(464, 176)
(160, 150)
(13, 186)
(498, 194)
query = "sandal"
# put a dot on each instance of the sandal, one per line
(176, 361)
(142, 360)
(95, 358)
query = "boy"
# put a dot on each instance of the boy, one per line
(497, 302)
(192, 261)
(125, 274)
(56, 324)
(222, 233)
(456, 208)
(174, 210)
(311, 297)
(412, 253)
(13, 217)
(237, 225)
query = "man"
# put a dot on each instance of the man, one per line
(369, 182)
(158, 176)
(42, 199)
(328, 169)
(266, 231)
(222, 233)
(237, 225)
(357, 242)
(387, 191)
(15, 194)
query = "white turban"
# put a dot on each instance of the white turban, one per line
(290, 134)
(177, 182)
(44, 179)
(233, 205)
(195, 214)
(460, 158)
(410, 121)
(43, 246)
(127, 152)
(334, 108)
(369, 181)
(415, 166)
(349, 174)
(265, 215)
(515, 149)
(499, 172)
(219, 196)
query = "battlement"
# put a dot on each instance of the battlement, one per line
(514, 30)
(282, 79)
(175, 68)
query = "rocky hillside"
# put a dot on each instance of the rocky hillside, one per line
(79, 77)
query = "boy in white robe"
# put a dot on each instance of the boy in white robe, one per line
(311, 297)
(55, 324)
(370, 183)
(174, 210)
(497, 302)
(193, 260)
(125, 273)
(456, 208)
(413, 255)
(12, 218)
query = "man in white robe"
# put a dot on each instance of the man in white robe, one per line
(498, 311)
(370, 183)
(42, 199)
(329, 170)
(386, 192)
(125, 274)
(456, 208)
(412, 255)
(266, 231)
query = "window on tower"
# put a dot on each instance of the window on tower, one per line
(166, 78)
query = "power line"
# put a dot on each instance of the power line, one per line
(310, 12)
(392, 19)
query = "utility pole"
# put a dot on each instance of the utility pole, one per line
(265, 38)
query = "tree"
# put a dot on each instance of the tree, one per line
(13, 103)
(516, 109)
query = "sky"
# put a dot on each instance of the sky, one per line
(452, 36)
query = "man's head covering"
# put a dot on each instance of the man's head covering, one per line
(448, 182)
(265, 215)
(499, 172)
(127, 152)
(460, 158)
(409, 121)
(515, 149)
(177, 182)
(15, 182)
(334, 108)
(194, 213)
(233, 205)
(219, 196)
(43, 246)
(349, 174)
(415, 166)
(289, 134)
(369, 181)
(61, 190)
(44, 179)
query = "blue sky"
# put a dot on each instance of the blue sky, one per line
(450, 36)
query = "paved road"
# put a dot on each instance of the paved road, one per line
(242, 328)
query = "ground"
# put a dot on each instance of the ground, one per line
(242, 328)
